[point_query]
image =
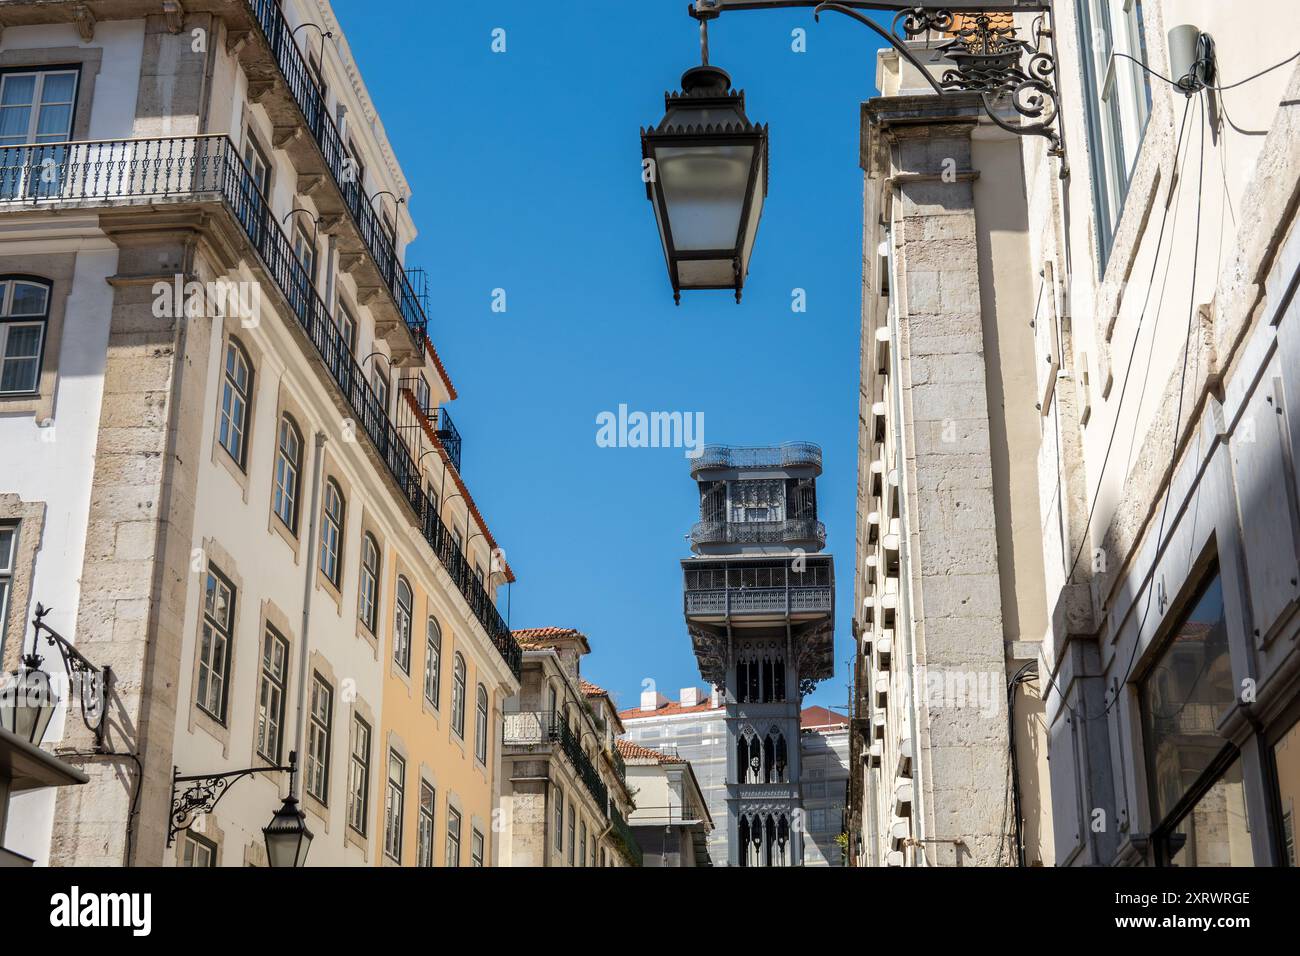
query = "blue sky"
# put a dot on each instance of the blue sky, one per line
(525, 169)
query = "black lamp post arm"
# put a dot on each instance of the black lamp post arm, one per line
(205, 791)
(93, 683)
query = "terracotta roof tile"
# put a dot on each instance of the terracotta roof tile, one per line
(542, 638)
(672, 707)
(821, 717)
(437, 363)
(591, 690)
(636, 752)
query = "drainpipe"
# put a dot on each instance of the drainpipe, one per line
(309, 567)
(904, 548)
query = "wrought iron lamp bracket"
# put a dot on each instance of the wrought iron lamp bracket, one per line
(94, 683)
(1015, 78)
(207, 789)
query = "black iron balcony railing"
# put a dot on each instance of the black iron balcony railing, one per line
(208, 169)
(793, 454)
(449, 435)
(533, 728)
(793, 531)
(302, 87)
(631, 849)
(620, 765)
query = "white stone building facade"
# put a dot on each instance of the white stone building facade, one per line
(1077, 460)
(215, 496)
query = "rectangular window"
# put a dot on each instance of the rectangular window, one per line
(582, 843)
(259, 168)
(347, 328)
(453, 837)
(36, 107)
(559, 821)
(1118, 100)
(8, 547)
(427, 797)
(304, 250)
(198, 851)
(1286, 759)
(359, 775)
(394, 799)
(20, 356)
(572, 815)
(214, 644)
(271, 693)
(318, 738)
(476, 849)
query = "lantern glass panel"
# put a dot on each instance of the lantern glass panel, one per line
(704, 189)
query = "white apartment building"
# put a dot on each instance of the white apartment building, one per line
(239, 502)
(1077, 459)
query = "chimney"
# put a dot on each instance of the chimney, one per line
(690, 696)
(652, 700)
(715, 698)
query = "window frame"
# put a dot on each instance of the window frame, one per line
(433, 663)
(477, 848)
(282, 465)
(9, 321)
(230, 391)
(7, 575)
(481, 721)
(453, 837)
(394, 806)
(403, 615)
(459, 686)
(319, 728)
(1118, 103)
(272, 638)
(333, 542)
(368, 583)
(425, 825)
(226, 632)
(358, 807)
(192, 844)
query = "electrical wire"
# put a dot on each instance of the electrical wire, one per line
(1137, 335)
(1178, 415)
(1209, 86)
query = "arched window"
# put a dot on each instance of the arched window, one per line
(402, 627)
(24, 314)
(288, 468)
(331, 533)
(368, 598)
(432, 663)
(481, 725)
(458, 696)
(236, 389)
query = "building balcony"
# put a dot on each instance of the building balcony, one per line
(719, 589)
(623, 833)
(417, 416)
(207, 171)
(791, 455)
(527, 730)
(367, 225)
(806, 533)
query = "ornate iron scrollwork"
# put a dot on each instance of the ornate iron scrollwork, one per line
(92, 683)
(205, 791)
(989, 59)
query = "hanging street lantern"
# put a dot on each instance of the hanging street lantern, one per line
(706, 174)
(27, 701)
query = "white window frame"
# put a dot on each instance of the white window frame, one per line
(403, 611)
(359, 774)
(428, 805)
(320, 731)
(7, 560)
(288, 474)
(453, 837)
(215, 641)
(1119, 94)
(26, 320)
(394, 805)
(272, 691)
(432, 663)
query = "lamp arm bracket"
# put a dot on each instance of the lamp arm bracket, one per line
(94, 684)
(205, 792)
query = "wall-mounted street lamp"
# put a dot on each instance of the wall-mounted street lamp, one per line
(28, 699)
(705, 163)
(287, 836)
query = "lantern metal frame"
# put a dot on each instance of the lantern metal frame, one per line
(750, 134)
(95, 683)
